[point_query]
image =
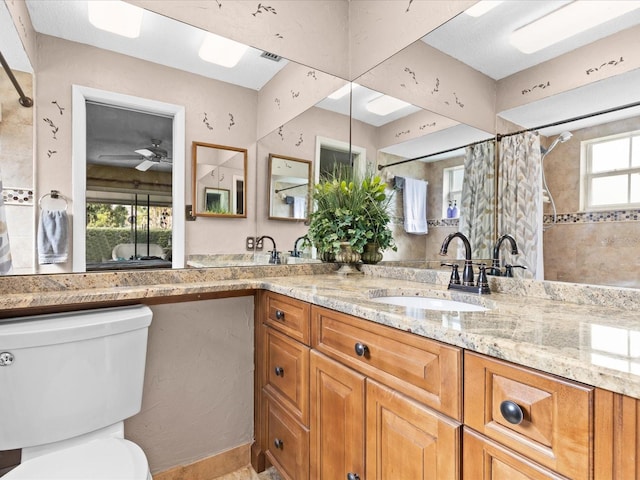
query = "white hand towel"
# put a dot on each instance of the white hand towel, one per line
(299, 207)
(415, 206)
(53, 245)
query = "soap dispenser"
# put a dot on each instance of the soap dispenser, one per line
(454, 210)
(450, 211)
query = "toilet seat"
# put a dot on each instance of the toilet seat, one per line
(104, 459)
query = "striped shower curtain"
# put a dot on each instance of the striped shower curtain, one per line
(5, 249)
(520, 199)
(477, 209)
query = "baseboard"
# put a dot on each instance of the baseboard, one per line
(210, 467)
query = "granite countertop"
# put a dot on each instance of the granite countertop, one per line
(584, 333)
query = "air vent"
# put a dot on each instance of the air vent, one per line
(271, 56)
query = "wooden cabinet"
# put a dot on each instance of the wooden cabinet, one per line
(368, 430)
(544, 418)
(282, 358)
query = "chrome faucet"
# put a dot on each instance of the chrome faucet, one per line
(495, 261)
(275, 254)
(295, 252)
(468, 285)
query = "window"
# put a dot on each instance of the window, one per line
(611, 172)
(452, 178)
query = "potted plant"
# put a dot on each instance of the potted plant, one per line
(350, 213)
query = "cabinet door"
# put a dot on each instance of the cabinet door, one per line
(337, 420)
(487, 460)
(406, 440)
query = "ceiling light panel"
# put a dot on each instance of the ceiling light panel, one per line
(384, 105)
(221, 51)
(567, 21)
(116, 17)
(482, 7)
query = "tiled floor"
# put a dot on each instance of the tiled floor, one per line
(248, 473)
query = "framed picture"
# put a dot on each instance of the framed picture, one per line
(216, 200)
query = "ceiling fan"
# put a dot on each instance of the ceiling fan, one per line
(151, 155)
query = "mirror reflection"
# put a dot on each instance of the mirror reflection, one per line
(219, 175)
(289, 188)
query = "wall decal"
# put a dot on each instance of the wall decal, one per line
(540, 85)
(312, 73)
(264, 8)
(51, 153)
(278, 36)
(436, 89)
(426, 125)
(408, 6)
(231, 121)
(54, 128)
(277, 100)
(300, 141)
(219, 3)
(458, 102)
(613, 63)
(280, 133)
(412, 74)
(60, 109)
(401, 134)
(295, 94)
(205, 120)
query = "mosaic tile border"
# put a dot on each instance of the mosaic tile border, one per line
(434, 222)
(632, 215)
(17, 196)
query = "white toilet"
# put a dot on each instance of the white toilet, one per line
(67, 382)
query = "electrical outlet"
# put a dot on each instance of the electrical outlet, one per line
(188, 213)
(259, 244)
(250, 243)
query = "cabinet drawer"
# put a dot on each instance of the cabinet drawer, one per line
(486, 460)
(423, 369)
(545, 418)
(287, 372)
(288, 315)
(286, 442)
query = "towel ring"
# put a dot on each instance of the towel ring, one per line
(55, 195)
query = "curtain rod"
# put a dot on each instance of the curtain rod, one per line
(24, 100)
(380, 167)
(569, 120)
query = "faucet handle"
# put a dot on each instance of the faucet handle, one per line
(455, 276)
(482, 275)
(508, 269)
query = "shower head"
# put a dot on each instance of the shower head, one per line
(563, 137)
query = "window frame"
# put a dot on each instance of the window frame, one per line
(447, 192)
(587, 176)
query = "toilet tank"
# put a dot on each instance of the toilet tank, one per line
(67, 374)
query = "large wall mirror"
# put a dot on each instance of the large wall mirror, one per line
(219, 178)
(289, 188)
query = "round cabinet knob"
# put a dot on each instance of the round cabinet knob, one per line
(353, 476)
(279, 371)
(278, 443)
(511, 412)
(361, 349)
(279, 314)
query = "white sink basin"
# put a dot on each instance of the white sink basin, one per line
(429, 303)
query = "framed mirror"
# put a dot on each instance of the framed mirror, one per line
(219, 177)
(289, 188)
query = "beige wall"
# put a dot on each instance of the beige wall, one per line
(600, 252)
(16, 169)
(198, 388)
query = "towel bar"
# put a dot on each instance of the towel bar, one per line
(56, 195)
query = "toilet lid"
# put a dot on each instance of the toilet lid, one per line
(106, 459)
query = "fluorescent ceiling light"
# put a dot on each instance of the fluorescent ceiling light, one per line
(116, 17)
(341, 92)
(221, 51)
(482, 7)
(574, 18)
(384, 105)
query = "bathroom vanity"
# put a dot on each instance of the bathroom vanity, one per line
(523, 389)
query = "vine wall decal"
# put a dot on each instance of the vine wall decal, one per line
(540, 85)
(54, 128)
(295, 94)
(264, 9)
(436, 89)
(402, 133)
(408, 6)
(280, 134)
(458, 102)
(300, 141)
(412, 74)
(427, 125)
(612, 63)
(60, 109)
(312, 73)
(51, 153)
(205, 120)
(277, 100)
(278, 35)
(231, 121)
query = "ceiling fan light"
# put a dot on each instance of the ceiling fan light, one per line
(385, 104)
(116, 17)
(572, 19)
(145, 152)
(145, 165)
(221, 51)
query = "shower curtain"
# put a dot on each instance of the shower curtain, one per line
(5, 249)
(477, 208)
(520, 199)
